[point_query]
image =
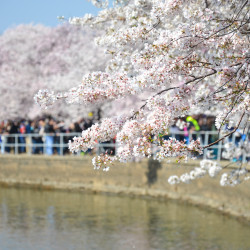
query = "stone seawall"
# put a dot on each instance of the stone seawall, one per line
(146, 178)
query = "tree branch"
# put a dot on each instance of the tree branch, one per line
(200, 78)
(211, 144)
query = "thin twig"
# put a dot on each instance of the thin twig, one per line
(211, 144)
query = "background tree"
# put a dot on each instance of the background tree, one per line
(34, 57)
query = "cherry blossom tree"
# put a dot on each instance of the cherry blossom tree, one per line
(191, 56)
(34, 57)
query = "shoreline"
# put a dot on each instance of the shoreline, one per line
(138, 179)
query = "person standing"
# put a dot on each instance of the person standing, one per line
(49, 136)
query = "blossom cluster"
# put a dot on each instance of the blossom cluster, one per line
(45, 98)
(179, 149)
(212, 168)
(206, 167)
(103, 162)
(234, 177)
(102, 132)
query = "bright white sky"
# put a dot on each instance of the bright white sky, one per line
(14, 12)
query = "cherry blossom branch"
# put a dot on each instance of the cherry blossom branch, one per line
(233, 105)
(154, 46)
(211, 144)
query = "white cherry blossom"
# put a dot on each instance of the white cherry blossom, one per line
(190, 56)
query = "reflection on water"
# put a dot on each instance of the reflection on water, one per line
(59, 220)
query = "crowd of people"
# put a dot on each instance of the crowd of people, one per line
(43, 134)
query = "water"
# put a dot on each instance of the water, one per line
(32, 219)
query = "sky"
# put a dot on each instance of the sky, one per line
(15, 12)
